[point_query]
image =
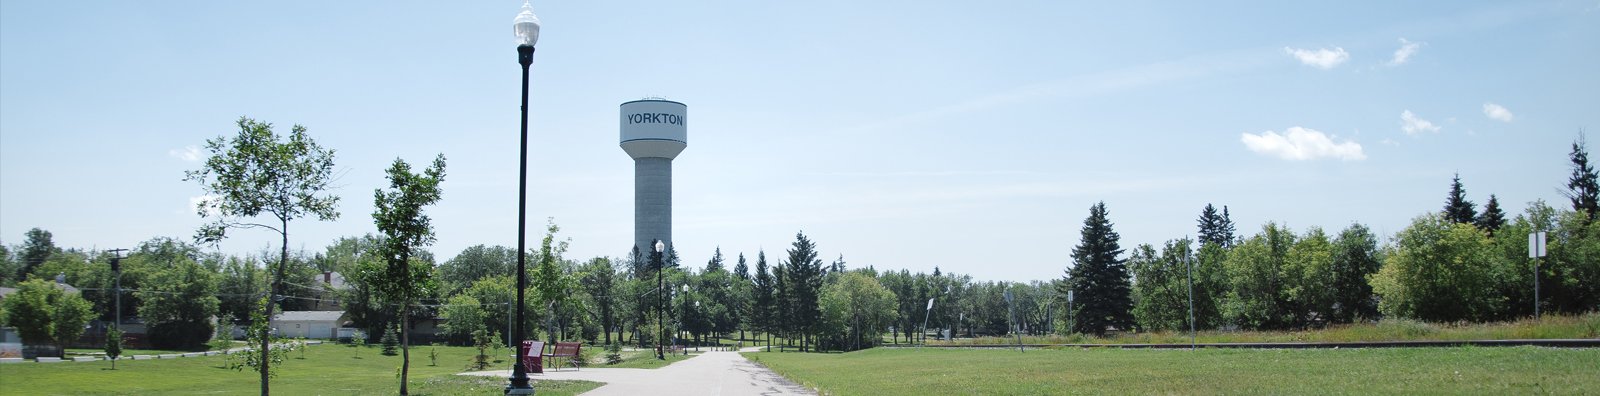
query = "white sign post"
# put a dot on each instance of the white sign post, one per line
(1535, 251)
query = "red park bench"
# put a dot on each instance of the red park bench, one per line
(567, 350)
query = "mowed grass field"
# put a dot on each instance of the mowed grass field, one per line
(326, 370)
(1463, 370)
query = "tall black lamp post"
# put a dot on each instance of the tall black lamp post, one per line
(661, 301)
(527, 29)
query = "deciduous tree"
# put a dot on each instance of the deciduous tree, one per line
(406, 229)
(254, 174)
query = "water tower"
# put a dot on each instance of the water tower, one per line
(654, 131)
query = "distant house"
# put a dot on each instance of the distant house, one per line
(309, 324)
(327, 284)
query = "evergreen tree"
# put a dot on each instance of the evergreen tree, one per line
(716, 261)
(1226, 228)
(1210, 226)
(741, 270)
(1457, 209)
(1492, 218)
(765, 302)
(1099, 279)
(1583, 187)
(804, 272)
(390, 340)
(837, 266)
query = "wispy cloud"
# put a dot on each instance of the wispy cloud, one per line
(1301, 144)
(1407, 49)
(1412, 124)
(1321, 58)
(187, 153)
(1497, 112)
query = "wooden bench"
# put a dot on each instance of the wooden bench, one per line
(568, 350)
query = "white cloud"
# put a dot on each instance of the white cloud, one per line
(1407, 49)
(1413, 125)
(209, 202)
(187, 153)
(1300, 144)
(1321, 58)
(1497, 112)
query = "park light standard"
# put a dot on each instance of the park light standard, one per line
(661, 302)
(526, 26)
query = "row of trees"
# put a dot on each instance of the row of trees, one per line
(1453, 265)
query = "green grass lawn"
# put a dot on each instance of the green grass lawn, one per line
(1585, 326)
(1464, 370)
(326, 370)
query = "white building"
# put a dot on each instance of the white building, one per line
(309, 324)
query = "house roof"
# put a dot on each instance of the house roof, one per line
(309, 316)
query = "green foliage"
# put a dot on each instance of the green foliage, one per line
(613, 353)
(253, 356)
(1099, 279)
(483, 341)
(1256, 285)
(1438, 271)
(433, 356)
(390, 340)
(1308, 275)
(1161, 285)
(803, 277)
(179, 302)
(1492, 217)
(856, 310)
(1215, 228)
(1583, 187)
(475, 263)
(44, 314)
(113, 347)
(36, 248)
(10, 268)
(1355, 257)
(1457, 209)
(255, 173)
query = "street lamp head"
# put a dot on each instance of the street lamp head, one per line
(686, 288)
(527, 26)
(660, 246)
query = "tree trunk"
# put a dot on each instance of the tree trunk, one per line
(277, 288)
(405, 347)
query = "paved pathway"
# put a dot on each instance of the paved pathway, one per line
(710, 373)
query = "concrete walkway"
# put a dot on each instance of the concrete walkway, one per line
(710, 373)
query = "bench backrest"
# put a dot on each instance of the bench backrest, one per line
(566, 349)
(534, 348)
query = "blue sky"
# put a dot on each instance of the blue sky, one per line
(972, 136)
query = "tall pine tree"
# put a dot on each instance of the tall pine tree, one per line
(1099, 279)
(766, 306)
(1457, 209)
(1226, 229)
(805, 283)
(1492, 218)
(1211, 226)
(1583, 187)
(716, 261)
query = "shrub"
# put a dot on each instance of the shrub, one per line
(391, 340)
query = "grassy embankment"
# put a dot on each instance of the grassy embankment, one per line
(1463, 370)
(1548, 327)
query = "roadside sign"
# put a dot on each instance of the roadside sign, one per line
(1536, 244)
